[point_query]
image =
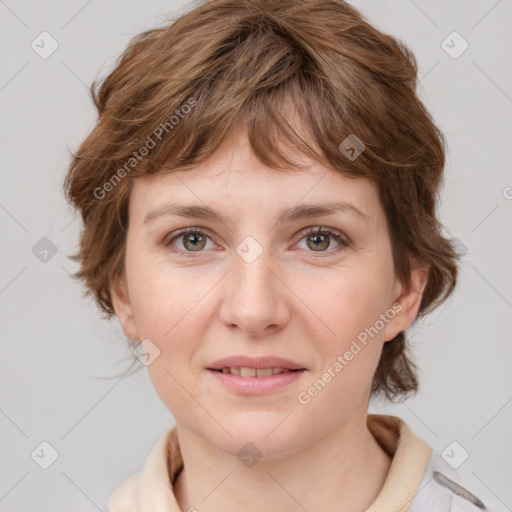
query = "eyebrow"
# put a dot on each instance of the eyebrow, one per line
(292, 213)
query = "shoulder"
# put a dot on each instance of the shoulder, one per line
(124, 497)
(441, 490)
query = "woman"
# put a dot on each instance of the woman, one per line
(259, 207)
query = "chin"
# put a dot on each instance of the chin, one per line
(263, 436)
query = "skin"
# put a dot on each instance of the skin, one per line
(294, 301)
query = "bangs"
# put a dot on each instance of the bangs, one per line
(258, 77)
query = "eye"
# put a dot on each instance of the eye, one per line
(318, 239)
(191, 240)
(194, 240)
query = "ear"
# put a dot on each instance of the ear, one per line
(123, 307)
(407, 300)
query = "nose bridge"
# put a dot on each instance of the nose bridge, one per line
(253, 280)
(255, 298)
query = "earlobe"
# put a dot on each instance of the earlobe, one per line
(123, 307)
(409, 300)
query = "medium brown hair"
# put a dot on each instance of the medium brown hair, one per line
(179, 90)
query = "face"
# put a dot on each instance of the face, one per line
(310, 288)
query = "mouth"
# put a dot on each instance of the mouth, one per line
(255, 365)
(249, 372)
(255, 375)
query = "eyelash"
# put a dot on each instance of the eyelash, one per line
(343, 241)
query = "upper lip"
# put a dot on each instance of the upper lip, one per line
(255, 362)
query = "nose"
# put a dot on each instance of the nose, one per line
(256, 297)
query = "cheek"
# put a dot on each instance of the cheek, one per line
(165, 300)
(350, 353)
(167, 309)
(349, 303)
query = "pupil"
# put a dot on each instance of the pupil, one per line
(318, 240)
(194, 239)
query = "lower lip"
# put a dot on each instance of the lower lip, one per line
(256, 385)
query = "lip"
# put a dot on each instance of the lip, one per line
(256, 385)
(256, 362)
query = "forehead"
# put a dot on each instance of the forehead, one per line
(234, 179)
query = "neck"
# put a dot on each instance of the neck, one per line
(346, 467)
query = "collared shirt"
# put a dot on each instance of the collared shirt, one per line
(418, 479)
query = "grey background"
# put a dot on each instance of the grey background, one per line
(57, 353)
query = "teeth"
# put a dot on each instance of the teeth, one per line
(263, 372)
(254, 372)
(247, 372)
